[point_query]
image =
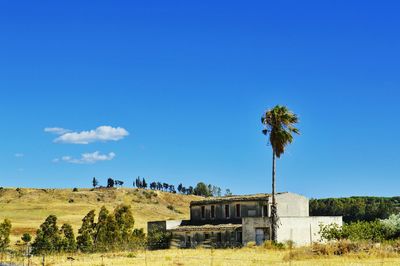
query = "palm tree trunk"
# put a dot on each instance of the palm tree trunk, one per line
(274, 215)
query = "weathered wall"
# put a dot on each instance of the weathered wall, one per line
(197, 238)
(301, 230)
(163, 225)
(247, 209)
(304, 230)
(249, 226)
(291, 204)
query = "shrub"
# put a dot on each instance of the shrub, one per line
(268, 244)
(158, 239)
(375, 231)
(75, 189)
(251, 244)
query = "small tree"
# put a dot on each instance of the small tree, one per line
(95, 182)
(5, 230)
(110, 182)
(202, 189)
(26, 237)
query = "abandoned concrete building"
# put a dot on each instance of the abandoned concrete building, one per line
(237, 220)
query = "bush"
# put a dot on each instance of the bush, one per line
(268, 244)
(158, 239)
(75, 189)
(375, 231)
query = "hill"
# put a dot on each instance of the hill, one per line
(27, 207)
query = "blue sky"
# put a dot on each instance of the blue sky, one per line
(188, 81)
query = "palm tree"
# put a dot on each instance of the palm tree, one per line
(279, 126)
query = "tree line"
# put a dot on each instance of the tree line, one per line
(111, 231)
(201, 189)
(355, 208)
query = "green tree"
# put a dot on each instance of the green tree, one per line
(26, 237)
(47, 237)
(5, 229)
(86, 233)
(67, 242)
(100, 240)
(202, 189)
(95, 182)
(125, 222)
(279, 124)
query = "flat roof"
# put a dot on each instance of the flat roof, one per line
(252, 197)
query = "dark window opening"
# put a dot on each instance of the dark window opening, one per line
(206, 236)
(239, 237)
(237, 210)
(265, 210)
(219, 237)
(212, 211)
(227, 211)
(203, 212)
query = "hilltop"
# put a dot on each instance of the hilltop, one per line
(28, 207)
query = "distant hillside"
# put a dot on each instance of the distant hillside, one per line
(27, 208)
(356, 208)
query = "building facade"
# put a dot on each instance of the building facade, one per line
(237, 220)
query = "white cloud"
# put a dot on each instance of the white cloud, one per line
(56, 130)
(102, 133)
(19, 155)
(87, 158)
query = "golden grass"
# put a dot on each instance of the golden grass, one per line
(27, 208)
(200, 257)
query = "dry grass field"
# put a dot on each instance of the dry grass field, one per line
(27, 208)
(204, 257)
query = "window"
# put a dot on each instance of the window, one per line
(203, 212)
(239, 237)
(219, 237)
(212, 211)
(237, 210)
(227, 214)
(265, 210)
(206, 236)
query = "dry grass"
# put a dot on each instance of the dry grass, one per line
(27, 208)
(223, 257)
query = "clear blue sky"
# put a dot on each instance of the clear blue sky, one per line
(188, 81)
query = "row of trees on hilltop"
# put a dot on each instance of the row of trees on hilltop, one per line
(201, 189)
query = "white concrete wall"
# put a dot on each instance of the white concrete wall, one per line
(303, 230)
(172, 224)
(291, 204)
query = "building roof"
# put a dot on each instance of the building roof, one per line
(226, 199)
(205, 227)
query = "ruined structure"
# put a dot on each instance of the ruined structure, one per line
(237, 220)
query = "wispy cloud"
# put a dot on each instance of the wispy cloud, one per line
(56, 130)
(102, 133)
(19, 155)
(87, 158)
